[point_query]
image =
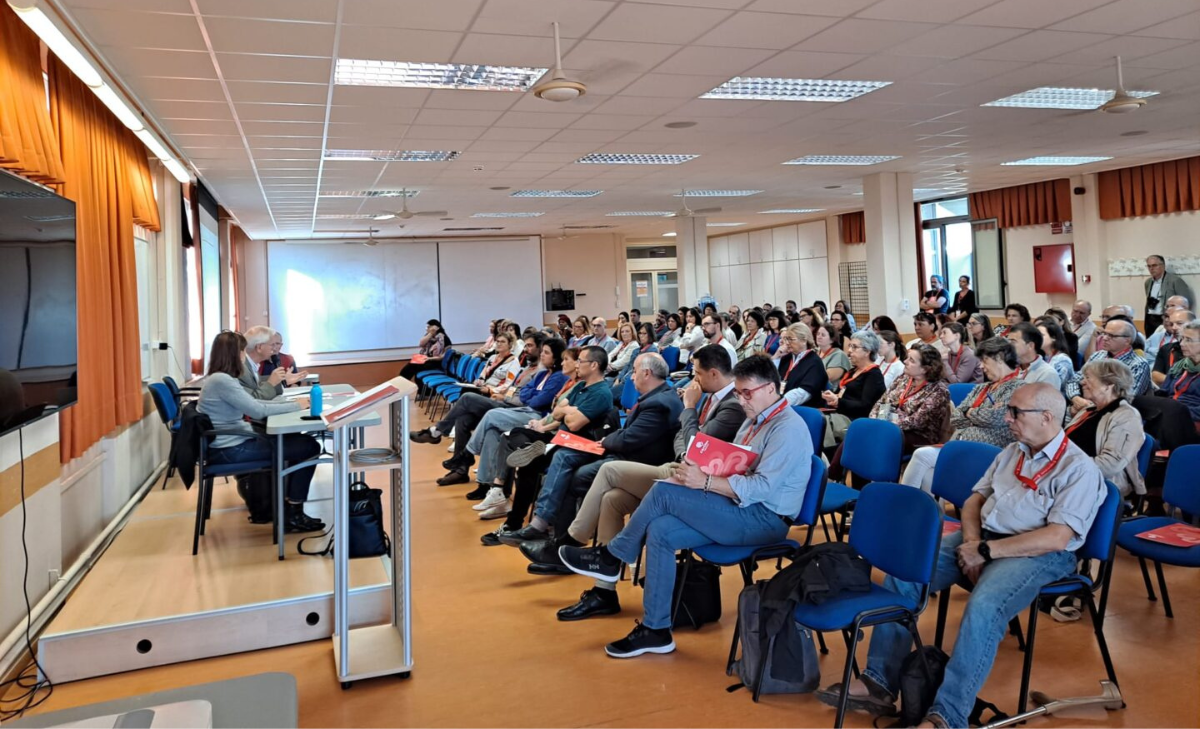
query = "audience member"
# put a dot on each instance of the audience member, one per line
(431, 347)
(961, 364)
(624, 352)
(891, 356)
(819, 307)
(1054, 344)
(1155, 341)
(926, 327)
(840, 306)
(1014, 314)
(883, 324)
(635, 317)
(1170, 352)
(622, 318)
(1027, 341)
(579, 332)
(1114, 341)
(692, 337)
(488, 348)
(600, 336)
(1160, 286)
(670, 335)
(776, 321)
(858, 390)
(754, 341)
(731, 327)
(1069, 337)
(645, 345)
(228, 403)
(660, 323)
(918, 401)
(790, 307)
(1182, 376)
(1082, 325)
(979, 418)
(841, 324)
(755, 508)
(964, 301)
(1110, 430)
(829, 349)
(710, 327)
(1020, 530)
(936, 300)
(802, 371)
(979, 327)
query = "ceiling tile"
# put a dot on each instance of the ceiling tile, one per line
(244, 35)
(943, 10)
(611, 122)
(1125, 16)
(155, 30)
(457, 134)
(598, 136)
(506, 50)
(457, 117)
(321, 11)
(531, 120)
(282, 128)
(864, 36)
(379, 96)
(266, 92)
(664, 85)
(181, 127)
(281, 112)
(193, 110)
(729, 62)
(764, 30)
(250, 67)
(892, 68)
(1129, 48)
(533, 17)
(953, 41)
(1187, 27)
(804, 64)
(836, 8)
(1030, 13)
(178, 89)
(414, 14)
(634, 105)
(723, 4)
(656, 23)
(133, 62)
(966, 71)
(390, 44)
(1177, 58)
(517, 134)
(359, 115)
(446, 99)
(1039, 45)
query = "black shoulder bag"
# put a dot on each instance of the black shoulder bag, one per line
(367, 536)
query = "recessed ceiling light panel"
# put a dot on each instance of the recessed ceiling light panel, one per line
(556, 193)
(717, 193)
(1053, 97)
(604, 158)
(791, 211)
(383, 155)
(639, 214)
(842, 159)
(793, 89)
(507, 215)
(1054, 161)
(404, 74)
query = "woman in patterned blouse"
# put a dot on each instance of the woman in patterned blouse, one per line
(919, 400)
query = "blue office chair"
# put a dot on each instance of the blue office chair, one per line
(671, 355)
(180, 393)
(898, 529)
(209, 471)
(959, 392)
(815, 420)
(1181, 489)
(959, 467)
(168, 411)
(871, 451)
(1100, 545)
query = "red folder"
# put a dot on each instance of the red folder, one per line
(419, 359)
(1175, 535)
(949, 527)
(718, 458)
(574, 442)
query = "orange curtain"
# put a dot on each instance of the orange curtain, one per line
(854, 227)
(108, 177)
(27, 142)
(1162, 187)
(1037, 203)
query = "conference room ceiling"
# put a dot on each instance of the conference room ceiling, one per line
(244, 90)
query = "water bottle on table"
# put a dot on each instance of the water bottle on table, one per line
(316, 401)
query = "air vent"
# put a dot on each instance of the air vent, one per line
(469, 230)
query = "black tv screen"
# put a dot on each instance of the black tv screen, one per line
(38, 347)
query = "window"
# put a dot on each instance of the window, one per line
(650, 252)
(953, 245)
(144, 242)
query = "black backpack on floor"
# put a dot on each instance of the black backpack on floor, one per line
(918, 689)
(701, 593)
(791, 661)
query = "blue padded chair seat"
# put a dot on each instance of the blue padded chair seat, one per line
(1179, 556)
(1068, 585)
(725, 555)
(841, 612)
(229, 469)
(837, 495)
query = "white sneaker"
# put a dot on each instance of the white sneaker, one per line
(450, 448)
(494, 497)
(497, 512)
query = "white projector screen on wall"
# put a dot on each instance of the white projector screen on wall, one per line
(485, 279)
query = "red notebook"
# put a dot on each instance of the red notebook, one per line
(718, 458)
(574, 442)
(419, 359)
(949, 527)
(1175, 535)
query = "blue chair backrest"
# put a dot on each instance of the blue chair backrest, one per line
(450, 358)
(172, 387)
(812, 493)
(815, 420)
(671, 355)
(1102, 537)
(959, 391)
(476, 369)
(1181, 487)
(960, 465)
(464, 364)
(629, 395)
(164, 403)
(897, 529)
(1145, 453)
(872, 449)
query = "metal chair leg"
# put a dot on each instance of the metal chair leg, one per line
(199, 526)
(821, 642)
(733, 646)
(1027, 666)
(1014, 627)
(1101, 642)
(1162, 588)
(851, 647)
(1146, 578)
(943, 609)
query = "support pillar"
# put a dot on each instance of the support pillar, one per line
(891, 247)
(691, 256)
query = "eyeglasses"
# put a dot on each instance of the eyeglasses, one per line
(1189, 340)
(747, 394)
(1015, 412)
(1110, 335)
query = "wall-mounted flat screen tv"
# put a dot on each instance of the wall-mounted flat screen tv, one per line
(38, 347)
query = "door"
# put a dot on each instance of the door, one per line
(641, 287)
(666, 285)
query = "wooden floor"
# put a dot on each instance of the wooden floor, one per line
(489, 652)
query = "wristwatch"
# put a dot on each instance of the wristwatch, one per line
(985, 551)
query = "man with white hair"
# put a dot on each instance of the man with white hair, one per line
(1082, 325)
(1114, 341)
(1161, 286)
(1162, 337)
(259, 350)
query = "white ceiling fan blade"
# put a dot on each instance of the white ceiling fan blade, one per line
(433, 213)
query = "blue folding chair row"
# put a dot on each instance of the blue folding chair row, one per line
(871, 451)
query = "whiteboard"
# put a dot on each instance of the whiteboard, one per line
(336, 297)
(485, 279)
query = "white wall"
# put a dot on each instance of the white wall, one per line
(1018, 262)
(592, 265)
(771, 264)
(1169, 235)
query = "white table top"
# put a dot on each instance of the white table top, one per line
(334, 396)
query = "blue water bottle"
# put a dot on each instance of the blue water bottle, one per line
(315, 401)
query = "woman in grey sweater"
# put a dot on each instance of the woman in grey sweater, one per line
(227, 404)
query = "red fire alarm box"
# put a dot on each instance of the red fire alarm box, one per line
(1054, 269)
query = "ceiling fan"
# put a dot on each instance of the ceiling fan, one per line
(405, 214)
(1122, 102)
(686, 212)
(558, 87)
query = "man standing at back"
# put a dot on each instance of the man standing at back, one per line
(1160, 286)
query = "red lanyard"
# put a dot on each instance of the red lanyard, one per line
(792, 365)
(825, 354)
(754, 430)
(1031, 482)
(488, 372)
(1122, 354)
(955, 362)
(1184, 380)
(707, 406)
(1005, 332)
(988, 389)
(1087, 415)
(904, 396)
(847, 379)
(746, 340)
(1171, 359)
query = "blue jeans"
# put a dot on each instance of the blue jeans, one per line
(672, 518)
(1005, 588)
(557, 480)
(488, 438)
(297, 448)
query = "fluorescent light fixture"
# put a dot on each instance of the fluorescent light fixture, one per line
(1054, 161)
(472, 229)
(672, 234)
(350, 216)
(842, 159)
(507, 215)
(114, 103)
(383, 216)
(639, 214)
(404, 74)
(156, 148)
(382, 155)
(370, 193)
(791, 211)
(31, 12)
(1053, 97)
(556, 193)
(620, 158)
(178, 170)
(793, 89)
(724, 225)
(717, 193)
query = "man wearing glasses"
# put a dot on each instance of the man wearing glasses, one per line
(714, 333)
(698, 508)
(1161, 285)
(1114, 341)
(600, 336)
(1020, 529)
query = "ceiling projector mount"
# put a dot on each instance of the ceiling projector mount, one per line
(558, 87)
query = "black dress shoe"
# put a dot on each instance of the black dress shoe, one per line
(527, 533)
(480, 491)
(547, 570)
(424, 436)
(454, 477)
(300, 524)
(492, 539)
(546, 553)
(592, 603)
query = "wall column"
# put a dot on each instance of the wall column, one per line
(691, 256)
(891, 251)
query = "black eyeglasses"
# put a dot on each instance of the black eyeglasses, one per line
(1015, 412)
